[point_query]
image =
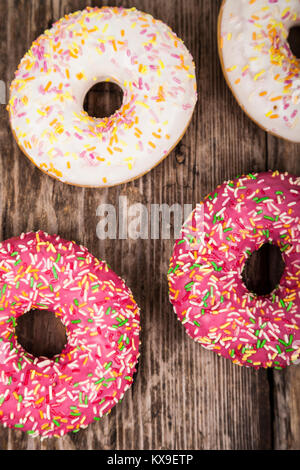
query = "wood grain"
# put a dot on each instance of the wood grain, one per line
(183, 397)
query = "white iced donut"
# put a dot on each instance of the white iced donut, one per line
(143, 56)
(258, 63)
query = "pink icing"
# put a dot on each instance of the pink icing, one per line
(205, 275)
(50, 397)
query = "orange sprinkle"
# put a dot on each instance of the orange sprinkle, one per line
(48, 86)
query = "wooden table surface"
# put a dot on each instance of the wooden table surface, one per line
(184, 397)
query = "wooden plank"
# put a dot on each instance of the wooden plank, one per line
(183, 397)
(285, 156)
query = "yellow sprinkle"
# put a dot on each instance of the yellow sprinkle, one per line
(259, 74)
(231, 69)
(141, 103)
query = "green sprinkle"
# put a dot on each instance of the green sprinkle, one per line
(196, 323)
(278, 348)
(120, 324)
(99, 381)
(96, 418)
(108, 365)
(189, 286)
(195, 266)
(56, 422)
(55, 272)
(282, 303)
(108, 311)
(285, 247)
(31, 282)
(216, 267)
(206, 296)
(58, 258)
(15, 253)
(18, 262)
(95, 287)
(75, 321)
(262, 199)
(76, 302)
(19, 425)
(4, 289)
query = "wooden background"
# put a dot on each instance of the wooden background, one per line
(184, 397)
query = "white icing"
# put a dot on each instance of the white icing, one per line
(254, 67)
(149, 62)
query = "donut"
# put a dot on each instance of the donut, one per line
(125, 46)
(205, 277)
(258, 64)
(51, 397)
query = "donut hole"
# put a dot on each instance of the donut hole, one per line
(294, 40)
(263, 270)
(103, 100)
(41, 333)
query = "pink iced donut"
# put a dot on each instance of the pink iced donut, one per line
(51, 397)
(205, 276)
